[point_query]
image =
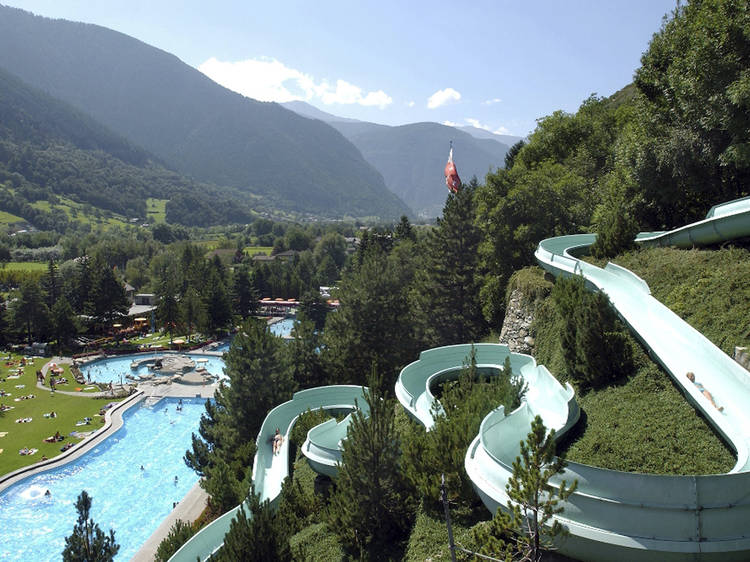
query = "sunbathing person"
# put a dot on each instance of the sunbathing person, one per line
(691, 376)
(278, 439)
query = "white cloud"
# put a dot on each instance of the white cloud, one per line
(268, 79)
(410, 103)
(476, 123)
(442, 97)
(492, 101)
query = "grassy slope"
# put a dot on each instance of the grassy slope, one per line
(644, 424)
(69, 410)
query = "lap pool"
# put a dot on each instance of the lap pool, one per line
(125, 498)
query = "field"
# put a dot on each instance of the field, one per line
(156, 210)
(7, 218)
(69, 410)
(25, 266)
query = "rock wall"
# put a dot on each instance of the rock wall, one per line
(516, 331)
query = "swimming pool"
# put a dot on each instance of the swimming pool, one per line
(113, 369)
(124, 498)
(283, 328)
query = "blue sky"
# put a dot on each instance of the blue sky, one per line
(497, 64)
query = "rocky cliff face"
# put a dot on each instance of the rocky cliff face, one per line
(516, 331)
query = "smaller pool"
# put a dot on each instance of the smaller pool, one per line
(283, 328)
(116, 369)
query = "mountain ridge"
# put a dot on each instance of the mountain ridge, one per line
(194, 125)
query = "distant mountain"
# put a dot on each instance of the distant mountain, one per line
(307, 110)
(478, 133)
(194, 125)
(49, 149)
(412, 157)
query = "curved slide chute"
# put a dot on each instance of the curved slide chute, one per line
(269, 470)
(612, 515)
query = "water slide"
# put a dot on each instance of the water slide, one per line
(269, 470)
(626, 516)
(613, 515)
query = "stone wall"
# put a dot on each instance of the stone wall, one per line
(516, 331)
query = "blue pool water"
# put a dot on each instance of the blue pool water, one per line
(124, 498)
(283, 328)
(113, 369)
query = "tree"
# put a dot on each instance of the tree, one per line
(244, 294)
(29, 312)
(88, 543)
(464, 403)
(594, 345)
(178, 535)
(693, 149)
(372, 322)
(217, 303)
(369, 509)
(446, 289)
(107, 298)
(168, 309)
(523, 529)
(510, 156)
(51, 284)
(255, 536)
(63, 321)
(404, 231)
(192, 310)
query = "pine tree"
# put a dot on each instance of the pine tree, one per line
(255, 536)
(369, 509)
(523, 531)
(446, 293)
(88, 543)
(168, 310)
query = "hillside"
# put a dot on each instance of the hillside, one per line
(194, 125)
(411, 157)
(50, 150)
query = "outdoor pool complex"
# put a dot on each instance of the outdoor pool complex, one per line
(124, 498)
(115, 368)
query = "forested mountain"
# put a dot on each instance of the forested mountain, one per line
(411, 157)
(49, 149)
(194, 125)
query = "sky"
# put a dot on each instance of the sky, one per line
(499, 65)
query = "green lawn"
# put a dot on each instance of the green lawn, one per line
(78, 212)
(25, 266)
(156, 210)
(7, 218)
(69, 410)
(254, 250)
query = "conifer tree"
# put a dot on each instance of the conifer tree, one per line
(370, 510)
(255, 535)
(446, 293)
(523, 531)
(88, 543)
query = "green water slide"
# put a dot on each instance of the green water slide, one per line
(613, 515)
(627, 516)
(269, 470)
